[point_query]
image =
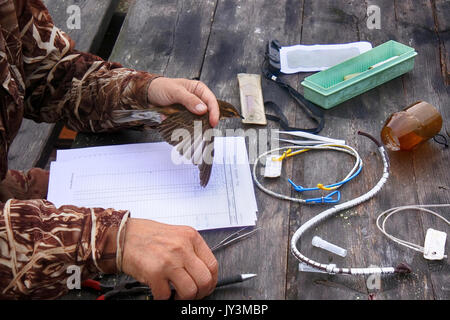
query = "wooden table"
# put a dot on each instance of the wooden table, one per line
(216, 39)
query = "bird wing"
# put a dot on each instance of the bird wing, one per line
(190, 135)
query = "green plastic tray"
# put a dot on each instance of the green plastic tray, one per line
(328, 88)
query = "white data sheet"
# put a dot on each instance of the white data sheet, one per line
(150, 180)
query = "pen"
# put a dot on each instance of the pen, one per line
(227, 281)
(235, 279)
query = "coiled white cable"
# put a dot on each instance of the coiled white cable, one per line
(331, 268)
(388, 213)
(336, 147)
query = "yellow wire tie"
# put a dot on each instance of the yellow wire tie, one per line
(283, 156)
(322, 187)
(296, 153)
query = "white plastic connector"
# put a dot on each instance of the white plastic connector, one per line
(273, 167)
(320, 243)
(434, 247)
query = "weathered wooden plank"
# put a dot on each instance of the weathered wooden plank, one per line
(428, 83)
(95, 16)
(441, 8)
(165, 37)
(400, 189)
(329, 22)
(237, 44)
(355, 229)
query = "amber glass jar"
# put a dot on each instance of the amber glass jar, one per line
(406, 129)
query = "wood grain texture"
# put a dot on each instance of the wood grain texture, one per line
(237, 44)
(401, 188)
(331, 22)
(95, 17)
(431, 160)
(342, 22)
(36, 137)
(441, 9)
(164, 37)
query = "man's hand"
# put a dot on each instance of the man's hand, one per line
(193, 94)
(158, 254)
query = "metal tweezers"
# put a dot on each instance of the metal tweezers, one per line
(234, 237)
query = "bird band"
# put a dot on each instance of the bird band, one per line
(252, 103)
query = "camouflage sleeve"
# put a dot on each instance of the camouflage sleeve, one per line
(64, 84)
(38, 243)
(22, 185)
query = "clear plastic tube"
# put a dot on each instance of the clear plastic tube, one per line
(320, 243)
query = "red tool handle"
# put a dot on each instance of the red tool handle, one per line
(102, 297)
(89, 283)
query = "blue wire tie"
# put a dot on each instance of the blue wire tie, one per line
(300, 188)
(327, 199)
(296, 187)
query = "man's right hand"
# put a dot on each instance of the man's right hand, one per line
(158, 254)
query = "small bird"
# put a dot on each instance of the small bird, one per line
(199, 149)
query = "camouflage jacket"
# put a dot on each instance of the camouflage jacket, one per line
(43, 78)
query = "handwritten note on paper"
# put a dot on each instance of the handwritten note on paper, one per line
(144, 179)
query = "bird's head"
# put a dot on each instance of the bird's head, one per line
(227, 110)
